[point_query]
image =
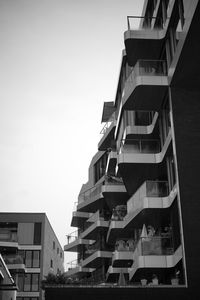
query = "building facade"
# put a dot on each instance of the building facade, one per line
(30, 250)
(138, 214)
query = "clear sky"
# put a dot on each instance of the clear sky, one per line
(59, 61)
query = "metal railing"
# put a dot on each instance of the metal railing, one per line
(72, 236)
(140, 146)
(143, 22)
(107, 124)
(73, 264)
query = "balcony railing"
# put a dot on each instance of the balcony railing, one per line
(95, 190)
(148, 68)
(157, 245)
(72, 236)
(13, 259)
(140, 146)
(142, 23)
(72, 264)
(107, 124)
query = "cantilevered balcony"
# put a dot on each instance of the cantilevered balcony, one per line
(75, 242)
(8, 239)
(141, 40)
(14, 262)
(95, 259)
(134, 131)
(93, 199)
(155, 253)
(141, 159)
(79, 217)
(75, 268)
(108, 134)
(151, 195)
(123, 254)
(146, 85)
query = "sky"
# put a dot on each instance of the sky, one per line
(59, 62)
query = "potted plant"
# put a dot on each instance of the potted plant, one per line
(175, 278)
(155, 279)
(143, 281)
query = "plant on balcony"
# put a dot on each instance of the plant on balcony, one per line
(52, 279)
(143, 281)
(175, 277)
(154, 279)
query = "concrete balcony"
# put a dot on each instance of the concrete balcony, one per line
(122, 259)
(95, 260)
(74, 268)
(15, 262)
(77, 244)
(108, 190)
(155, 253)
(142, 41)
(131, 131)
(151, 195)
(78, 218)
(145, 87)
(142, 159)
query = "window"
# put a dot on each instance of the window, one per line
(32, 258)
(36, 259)
(37, 233)
(35, 282)
(27, 282)
(60, 254)
(54, 245)
(28, 259)
(57, 250)
(51, 263)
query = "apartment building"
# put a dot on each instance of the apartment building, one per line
(30, 250)
(137, 217)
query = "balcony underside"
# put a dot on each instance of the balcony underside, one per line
(9, 244)
(95, 260)
(122, 259)
(115, 195)
(79, 271)
(78, 218)
(91, 205)
(17, 268)
(138, 41)
(92, 232)
(76, 245)
(155, 261)
(146, 93)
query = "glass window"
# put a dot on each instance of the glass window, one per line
(27, 282)
(28, 259)
(54, 245)
(51, 263)
(36, 259)
(20, 282)
(35, 282)
(57, 250)
(37, 233)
